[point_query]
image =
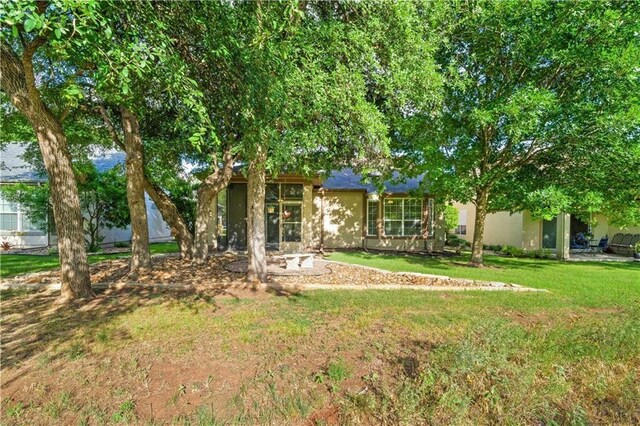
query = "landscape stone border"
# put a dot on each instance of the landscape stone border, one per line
(459, 286)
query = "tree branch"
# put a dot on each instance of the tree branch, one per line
(110, 127)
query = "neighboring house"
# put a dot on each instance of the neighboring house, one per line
(17, 229)
(520, 230)
(339, 212)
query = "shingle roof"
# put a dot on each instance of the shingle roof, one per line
(109, 160)
(347, 179)
(13, 168)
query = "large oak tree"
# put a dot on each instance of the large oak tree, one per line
(31, 32)
(535, 92)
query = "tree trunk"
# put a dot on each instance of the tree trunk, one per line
(172, 216)
(167, 208)
(256, 249)
(140, 257)
(212, 185)
(18, 82)
(202, 225)
(482, 202)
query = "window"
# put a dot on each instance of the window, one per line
(292, 223)
(272, 192)
(372, 218)
(8, 216)
(283, 212)
(286, 191)
(291, 191)
(402, 216)
(13, 219)
(462, 223)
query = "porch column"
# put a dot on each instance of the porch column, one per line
(563, 236)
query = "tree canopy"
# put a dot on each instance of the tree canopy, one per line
(537, 95)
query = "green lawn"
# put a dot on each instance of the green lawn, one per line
(580, 283)
(569, 356)
(16, 264)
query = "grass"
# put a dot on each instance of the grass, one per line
(17, 264)
(569, 356)
(584, 283)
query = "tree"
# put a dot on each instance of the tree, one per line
(324, 79)
(102, 199)
(451, 216)
(31, 29)
(526, 83)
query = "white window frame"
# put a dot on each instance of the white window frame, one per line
(402, 220)
(377, 202)
(431, 218)
(281, 202)
(21, 218)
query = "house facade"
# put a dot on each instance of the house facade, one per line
(519, 229)
(18, 230)
(340, 212)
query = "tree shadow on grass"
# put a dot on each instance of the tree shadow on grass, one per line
(446, 263)
(34, 325)
(491, 261)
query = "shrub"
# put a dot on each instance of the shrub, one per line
(540, 254)
(121, 244)
(455, 241)
(513, 251)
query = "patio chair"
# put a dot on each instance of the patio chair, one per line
(579, 243)
(603, 244)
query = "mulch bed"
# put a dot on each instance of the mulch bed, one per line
(172, 271)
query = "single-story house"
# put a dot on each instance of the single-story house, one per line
(338, 212)
(20, 232)
(521, 230)
(300, 213)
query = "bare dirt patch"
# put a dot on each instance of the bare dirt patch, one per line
(142, 355)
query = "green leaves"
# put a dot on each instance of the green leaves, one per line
(30, 24)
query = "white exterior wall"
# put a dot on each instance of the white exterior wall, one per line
(159, 231)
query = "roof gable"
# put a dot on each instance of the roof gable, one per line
(346, 179)
(13, 168)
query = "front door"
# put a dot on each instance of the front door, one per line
(272, 225)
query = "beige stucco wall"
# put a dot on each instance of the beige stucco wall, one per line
(504, 228)
(521, 230)
(613, 229)
(531, 232)
(343, 219)
(499, 228)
